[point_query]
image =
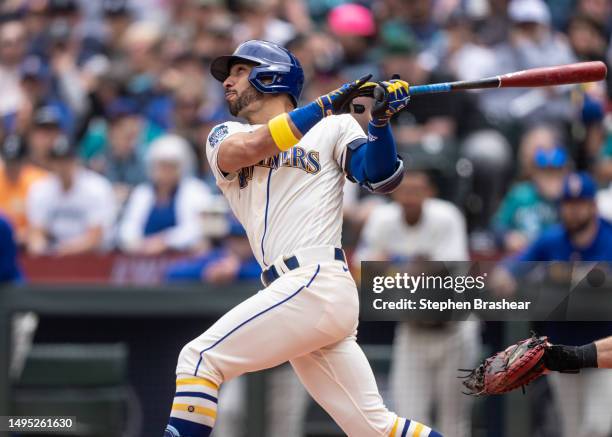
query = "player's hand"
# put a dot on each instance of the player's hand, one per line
(390, 97)
(340, 100)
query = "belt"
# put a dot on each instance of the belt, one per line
(301, 258)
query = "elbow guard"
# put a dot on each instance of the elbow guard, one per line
(355, 170)
(391, 183)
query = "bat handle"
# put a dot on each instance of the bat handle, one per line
(430, 89)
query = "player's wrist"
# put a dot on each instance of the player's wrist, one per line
(302, 119)
(589, 355)
(562, 358)
(306, 117)
(378, 122)
(281, 132)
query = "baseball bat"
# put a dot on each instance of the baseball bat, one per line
(579, 72)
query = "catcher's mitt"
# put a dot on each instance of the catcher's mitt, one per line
(509, 369)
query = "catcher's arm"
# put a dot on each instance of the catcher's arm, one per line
(564, 358)
(604, 353)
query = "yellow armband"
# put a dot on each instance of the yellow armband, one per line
(281, 132)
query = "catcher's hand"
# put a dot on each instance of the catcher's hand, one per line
(515, 367)
(389, 99)
(340, 100)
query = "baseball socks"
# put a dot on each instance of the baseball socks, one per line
(411, 428)
(194, 409)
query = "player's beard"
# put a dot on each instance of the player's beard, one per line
(243, 100)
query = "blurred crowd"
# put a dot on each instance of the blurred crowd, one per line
(106, 106)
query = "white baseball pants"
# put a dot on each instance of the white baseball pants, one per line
(308, 317)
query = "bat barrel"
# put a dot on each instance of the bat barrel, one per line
(548, 76)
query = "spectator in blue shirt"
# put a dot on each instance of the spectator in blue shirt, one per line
(9, 271)
(582, 235)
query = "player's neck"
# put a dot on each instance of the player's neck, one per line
(268, 110)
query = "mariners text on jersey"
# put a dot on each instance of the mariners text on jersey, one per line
(296, 157)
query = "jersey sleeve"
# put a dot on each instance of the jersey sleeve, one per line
(217, 135)
(348, 131)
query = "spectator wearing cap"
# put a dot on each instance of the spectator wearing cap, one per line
(230, 262)
(355, 29)
(73, 210)
(164, 213)
(582, 234)
(121, 161)
(95, 142)
(16, 178)
(36, 83)
(532, 43)
(583, 400)
(530, 206)
(44, 131)
(117, 17)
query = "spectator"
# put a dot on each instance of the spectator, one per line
(16, 178)
(417, 226)
(494, 27)
(124, 110)
(36, 83)
(45, 130)
(73, 210)
(164, 213)
(259, 20)
(9, 270)
(354, 28)
(12, 53)
(530, 207)
(532, 43)
(581, 236)
(121, 162)
(233, 261)
(537, 137)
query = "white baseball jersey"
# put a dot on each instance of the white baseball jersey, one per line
(293, 200)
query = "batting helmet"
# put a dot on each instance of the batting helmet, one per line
(276, 70)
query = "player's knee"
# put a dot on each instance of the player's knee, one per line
(192, 360)
(188, 358)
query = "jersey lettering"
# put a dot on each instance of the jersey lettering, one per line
(296, 157)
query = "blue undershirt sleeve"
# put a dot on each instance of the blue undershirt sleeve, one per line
(375, 160)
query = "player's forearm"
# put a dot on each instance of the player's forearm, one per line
(380, 153)
(604, 353)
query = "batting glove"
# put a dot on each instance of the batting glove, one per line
(340, 101)
(390, 97)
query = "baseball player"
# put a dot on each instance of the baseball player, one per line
(283, 174)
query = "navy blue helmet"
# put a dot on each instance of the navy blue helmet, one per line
(275, 70)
